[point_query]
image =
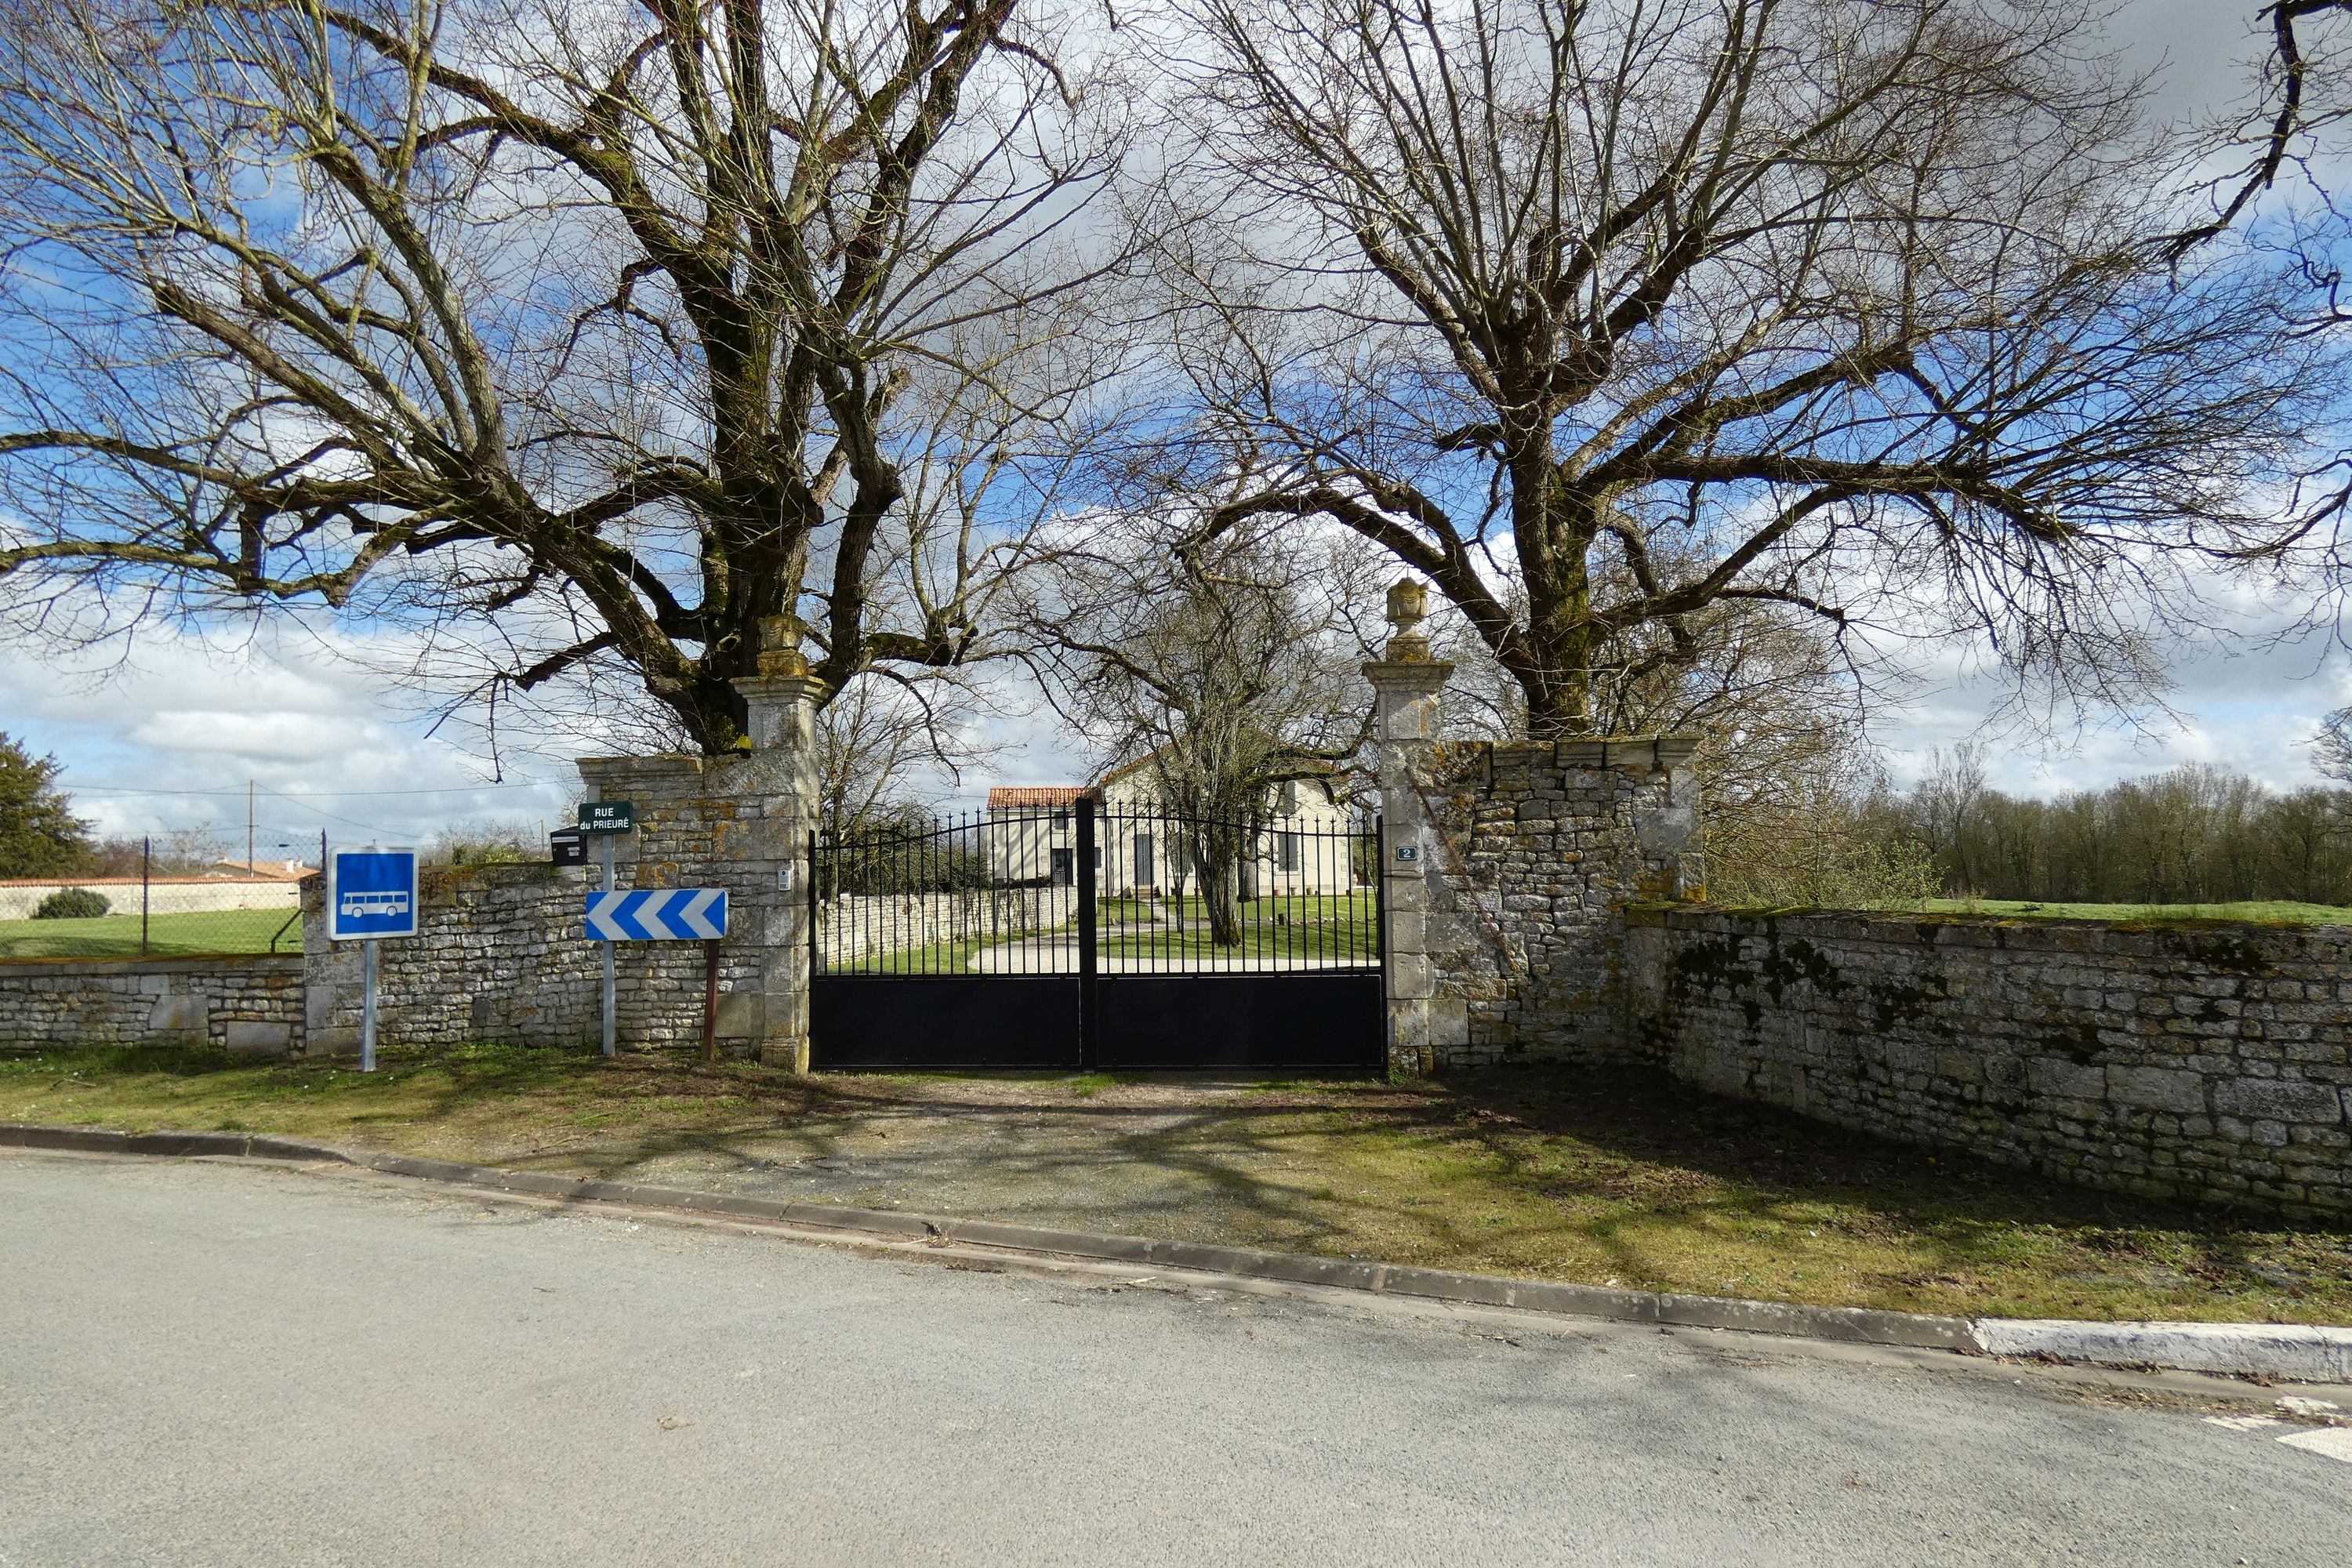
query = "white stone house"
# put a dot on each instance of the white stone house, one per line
(1307, 844)
(1032, 834)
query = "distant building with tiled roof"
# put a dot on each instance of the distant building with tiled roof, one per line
(1033, 838)
(1006, 797)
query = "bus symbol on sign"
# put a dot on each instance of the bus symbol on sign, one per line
(370, 893)
(383, 903)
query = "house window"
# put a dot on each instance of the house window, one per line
(1061, 819)
(1143, 865)
(1063, 866)
(1287, 846)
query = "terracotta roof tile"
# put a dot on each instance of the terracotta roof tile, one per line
(1037, 795)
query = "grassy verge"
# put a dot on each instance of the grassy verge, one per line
(2276, 912)
(1630, 1180)
(201, 932)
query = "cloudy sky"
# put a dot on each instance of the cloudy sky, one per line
(171, 739)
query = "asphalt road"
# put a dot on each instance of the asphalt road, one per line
(211, 1362)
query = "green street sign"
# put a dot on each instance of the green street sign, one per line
(607, 816)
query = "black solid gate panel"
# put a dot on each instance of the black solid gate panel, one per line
(943, 1021)
(1328, 1022)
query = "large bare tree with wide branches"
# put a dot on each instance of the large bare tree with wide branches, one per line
(578, 336)
(1611, 317)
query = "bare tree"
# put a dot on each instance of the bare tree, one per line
(583, 337)
(2277, 153)
(1226, 668)
(1606, 316)
(877, 738)
(2288, 126)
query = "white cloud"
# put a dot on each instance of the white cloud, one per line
(171, 739)
(2251, 701)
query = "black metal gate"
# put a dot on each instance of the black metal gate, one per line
(1066, 936)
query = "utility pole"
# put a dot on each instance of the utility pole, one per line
(248, 828)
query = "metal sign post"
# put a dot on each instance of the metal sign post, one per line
(367, 1006)
(666, 914)
(711, 1001)
(603, 818)
(370, 895)
(606, 842)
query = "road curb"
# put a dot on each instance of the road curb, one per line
(2285, 1352)
(105, 1141)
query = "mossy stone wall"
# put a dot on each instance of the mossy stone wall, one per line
(2211, 1063)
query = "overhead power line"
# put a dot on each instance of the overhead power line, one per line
(306, 794)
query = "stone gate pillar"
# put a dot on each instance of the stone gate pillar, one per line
(781, 774)
(1405, 711)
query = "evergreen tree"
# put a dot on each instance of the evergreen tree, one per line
(39, 834)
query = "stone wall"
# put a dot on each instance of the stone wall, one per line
(856, 926)
(500, 955)
(712, 822)
(2206, 1062)
(1533, 849)
(501, 952)
(252, 1002)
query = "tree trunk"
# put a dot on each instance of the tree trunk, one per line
(1216, 862)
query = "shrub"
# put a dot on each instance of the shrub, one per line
(71, 904)
(1819, 854)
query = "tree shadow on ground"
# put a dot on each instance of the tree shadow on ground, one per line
(1662, 1146)
(1555, 1171)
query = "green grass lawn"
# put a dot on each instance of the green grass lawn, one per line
(1260, 939)
(2276, 912)
(1319, 926)
(192, 935)
(1617, 1179)
(1357, 905)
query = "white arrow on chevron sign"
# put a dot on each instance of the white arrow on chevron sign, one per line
(602, 907)
(658, 914)
(697, 916)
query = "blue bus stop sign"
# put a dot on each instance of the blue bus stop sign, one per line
(370, 893)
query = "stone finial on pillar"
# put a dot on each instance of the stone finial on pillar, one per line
(781, 774)
(783, 696)
(1405, 687)
(1408, 607)
(1406, 682)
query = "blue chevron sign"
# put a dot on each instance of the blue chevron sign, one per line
(658, 914)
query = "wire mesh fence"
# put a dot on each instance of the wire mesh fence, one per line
(172, 896)
(1008, 892)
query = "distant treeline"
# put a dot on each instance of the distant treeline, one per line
(2196, 834)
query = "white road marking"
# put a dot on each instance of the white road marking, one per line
(2243, 1423)
(2336, 1442)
